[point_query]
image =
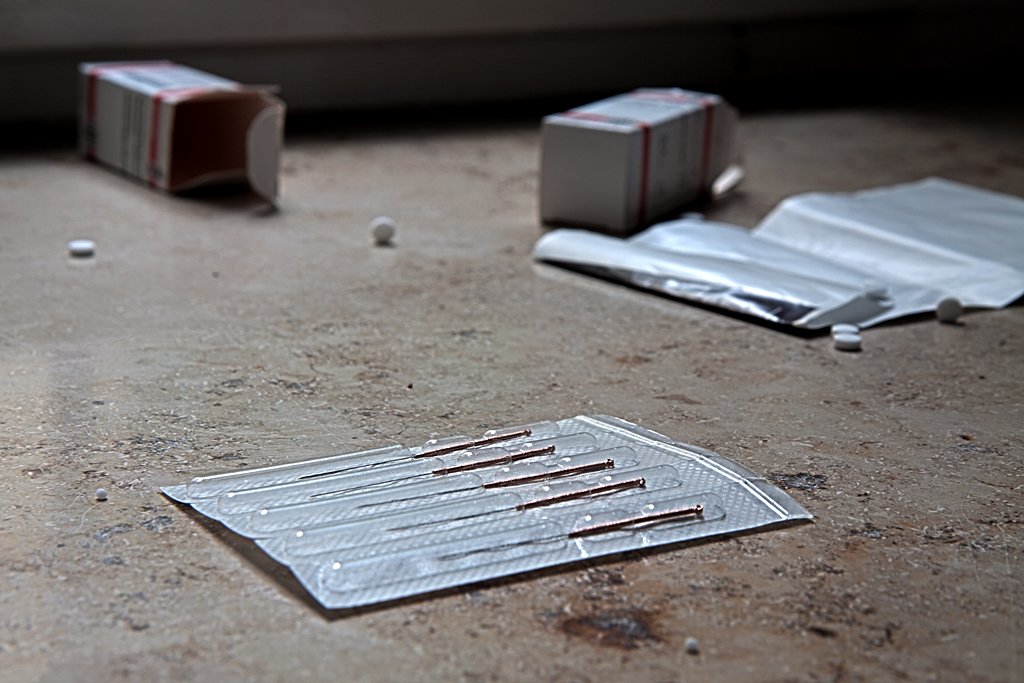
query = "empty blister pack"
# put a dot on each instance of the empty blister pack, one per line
(377, 525)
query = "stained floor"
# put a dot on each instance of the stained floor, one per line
(208, 334)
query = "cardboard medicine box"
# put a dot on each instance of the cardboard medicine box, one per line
(620, 163)
(176, 127)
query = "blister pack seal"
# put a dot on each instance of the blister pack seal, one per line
(378, 525)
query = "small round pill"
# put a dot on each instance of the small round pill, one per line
(845, 328)
(101, 494)
(383, 230)
(692, 646)
(949, 310)
(81, 248)
(847, 342)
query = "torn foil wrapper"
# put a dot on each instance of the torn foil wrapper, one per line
(723, 266)
(822, 259)
(379, 525)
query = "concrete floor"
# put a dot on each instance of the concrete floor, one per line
(208, 334)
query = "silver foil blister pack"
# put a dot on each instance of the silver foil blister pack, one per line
(378, 525)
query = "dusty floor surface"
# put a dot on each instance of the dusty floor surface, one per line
(208, 334)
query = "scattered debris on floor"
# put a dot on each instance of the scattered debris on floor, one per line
(805, 481)
(822, 259)
(378, 525)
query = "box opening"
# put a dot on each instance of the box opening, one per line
(210, 137)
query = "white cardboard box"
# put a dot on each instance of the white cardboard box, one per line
(620, 163)
(176, 128)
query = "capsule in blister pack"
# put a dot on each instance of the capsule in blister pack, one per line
(355, 536)
(441, 491)
(417, 469)
(216, 485)
(646, 517)
(487, 550)
(380, 525)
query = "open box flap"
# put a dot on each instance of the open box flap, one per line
(263, 149)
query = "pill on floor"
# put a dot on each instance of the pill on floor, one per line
(383, 230)
(949, 310)
(847, 342)
(81, 248)
(101, 494)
